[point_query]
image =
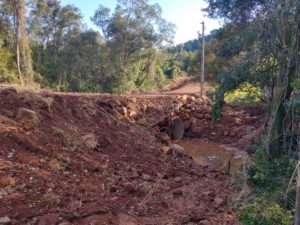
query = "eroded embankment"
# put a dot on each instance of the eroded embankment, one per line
(91, 159)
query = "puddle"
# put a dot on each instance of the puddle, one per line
(207, 153)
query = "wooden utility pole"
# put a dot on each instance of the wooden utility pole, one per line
(202, 91)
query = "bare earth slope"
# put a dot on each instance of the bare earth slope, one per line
(91, 159)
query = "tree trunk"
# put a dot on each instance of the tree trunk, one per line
(297, 211)
(277, 132)
(282, 93)
(23, 54)
(17, 35)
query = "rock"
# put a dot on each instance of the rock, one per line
(91, 208)
(238, 121)
(177, 148)
(27, 118)
(129, 187)
(65, 223)
(145, 187)
(142, 121)
(8, 91)
(90, 141)
(50, 219)
(122, 110)
(184, 97)
(218, 202)
(167, 150)
(197, 95)
(191, 99)
(249, 130)
(197, 216)
(199, 115)
(117, 179)
(209, 194)
(5, 220)
(113, 189)
(185, 116)
(147, 177)
(178, 179)
(232, 134)
(3, 193)
(164, 138)
(131, 106)
(177, 193)
(205, 222)
(7, 181)
(197, 129)
(208, 117)
(132, 114)
(145, 107)
(193, 120)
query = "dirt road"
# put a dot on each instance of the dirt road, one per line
(188, 88)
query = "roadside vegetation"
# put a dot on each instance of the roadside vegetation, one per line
(59, 52)
(262, 51)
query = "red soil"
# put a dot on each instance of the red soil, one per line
(50, 174)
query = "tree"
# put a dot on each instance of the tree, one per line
(23, 53)
(51, 28)
(68, 57)
(8, 70)
(130, 33)
(272, 59)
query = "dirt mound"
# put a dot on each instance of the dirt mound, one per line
(94, 160)
(238, 127)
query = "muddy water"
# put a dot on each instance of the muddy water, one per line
(207, 153)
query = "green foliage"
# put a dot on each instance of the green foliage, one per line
(132, 33)
(8, 68)
(246, 94)
(128, 55)
(261, 213)
(218, 98)
(223, 48)
(260, 44)
(269, 179)
(271, 174)
(256, 29)
(8, 71)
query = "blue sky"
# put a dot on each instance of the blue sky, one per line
(186, 14)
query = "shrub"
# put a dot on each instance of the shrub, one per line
(246, 94)
(269, 179)
(261, 213)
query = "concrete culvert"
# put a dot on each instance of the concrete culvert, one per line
(176, 128)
